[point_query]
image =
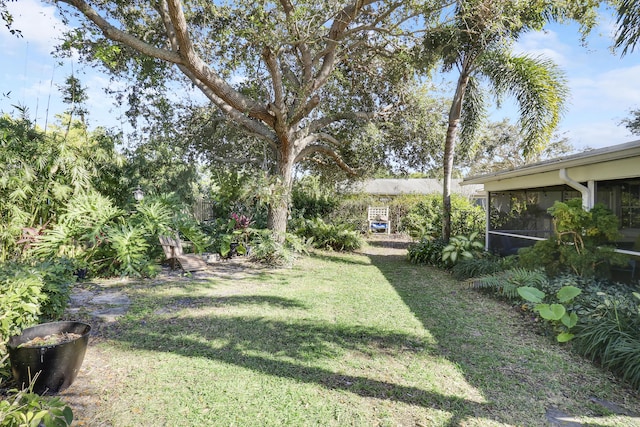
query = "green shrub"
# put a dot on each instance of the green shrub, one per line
(352, 210)
(338, 237)
(427, 251)
(265, 249)
(29, 294)
(21, 297)
(613, 340)
(24, 408)
(58, 279)
(484, 265)
(425, 217)
(310, 199)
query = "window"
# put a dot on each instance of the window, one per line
(623, 198)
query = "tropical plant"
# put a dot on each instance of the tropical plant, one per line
(628, 31)
(506, 283)
(460, 247)
(483, 265)
(556, 313)
(501, 144)
(265, 249)
(41, 172)
(109, 241)
(613, 340)
(130, 251)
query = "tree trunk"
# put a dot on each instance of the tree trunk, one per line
(281, 196)
(449, 152)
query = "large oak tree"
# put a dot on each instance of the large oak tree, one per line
(306, 67)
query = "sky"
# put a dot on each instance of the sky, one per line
(604, 87)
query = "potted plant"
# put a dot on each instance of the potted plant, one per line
(48, 356)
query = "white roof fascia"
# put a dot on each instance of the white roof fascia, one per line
(615, 152)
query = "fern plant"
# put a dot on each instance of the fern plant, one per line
(506, 283)
(482, 266)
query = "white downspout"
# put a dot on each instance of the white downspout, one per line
(587, 199)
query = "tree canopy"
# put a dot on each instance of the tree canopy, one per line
(291, 74)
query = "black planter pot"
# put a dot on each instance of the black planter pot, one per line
(58, 364)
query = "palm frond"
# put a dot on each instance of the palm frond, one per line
(539, 88)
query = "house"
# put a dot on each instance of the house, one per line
(518, 199)
(389, 188)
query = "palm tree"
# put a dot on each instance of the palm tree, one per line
(477, 43)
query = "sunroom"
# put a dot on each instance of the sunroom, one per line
(518, 199)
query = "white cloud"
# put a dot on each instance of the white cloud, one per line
(597, 134)
(38, 23)
(546, 44)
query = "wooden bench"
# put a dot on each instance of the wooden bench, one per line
(378, 218)
(172, 247)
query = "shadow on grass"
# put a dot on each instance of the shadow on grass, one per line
(181, 302)
(236, 340)
(485, 365)
(339, 259)
(286, 348)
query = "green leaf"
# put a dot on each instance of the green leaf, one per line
(241, 249)
(551, 312)
(567, 293)
(68, 414)
(564, 337)
(569, 320)
(531, 294)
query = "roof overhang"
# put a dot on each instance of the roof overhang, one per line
(602, 155)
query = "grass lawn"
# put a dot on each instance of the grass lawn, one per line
(338, 340)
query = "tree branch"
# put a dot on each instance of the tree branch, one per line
(118, 35)
(276, 81)
(205, 74)
(252, 126)
(336, 32)
(327, 151)
(347, 115)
